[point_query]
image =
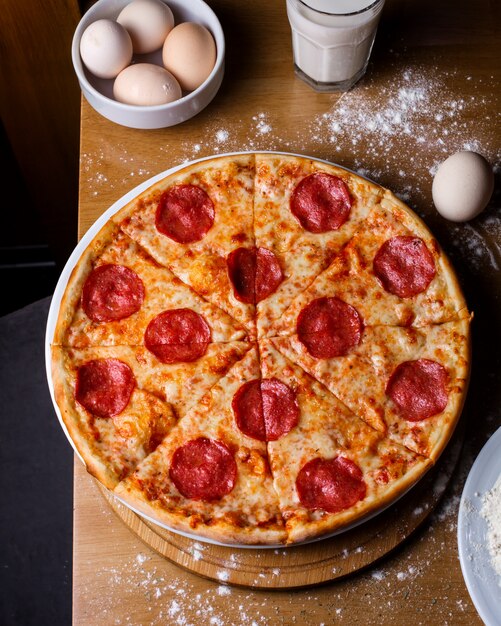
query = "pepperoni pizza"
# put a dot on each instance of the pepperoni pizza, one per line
(261, 348)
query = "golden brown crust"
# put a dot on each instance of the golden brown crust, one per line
(82, 268)
(219, 530)
(303, 531)
(156, 188)
(463, 372)
(64, 395)
(417, 225)
(112, 447)
(300, 527)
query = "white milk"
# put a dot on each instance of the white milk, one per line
(332, 40)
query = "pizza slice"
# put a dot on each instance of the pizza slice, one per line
(392, 272)
(180, 384)
(193, 220)
(117, 292)
(208, 477)
(304, 212)
(113, 423)
(405, 382)
(331, 468)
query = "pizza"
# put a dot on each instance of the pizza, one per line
(261, 349)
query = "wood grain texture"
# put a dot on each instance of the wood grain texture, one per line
(451, 51)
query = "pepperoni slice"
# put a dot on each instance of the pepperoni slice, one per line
(404, 265)
(265, 409)
(419, 389)
(321, 202)
(280, 408)
(177, 335)
(330, 484)
(269, 274)
(247, 407)
(203, 469)
(104, 386)
(112, 292)
(241, 265)
(329, 327)
(255, 274)
(185, 213)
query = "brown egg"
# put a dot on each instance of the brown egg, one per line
(148, 23)
(189, 53)
(146, 84)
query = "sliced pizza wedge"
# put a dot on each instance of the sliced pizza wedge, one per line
(193, 220)
(180, 384)
(392, 272)
(208, 477)
(304, 212)
(407, 383)
(331, 468)
(117, 292)
(113, 423)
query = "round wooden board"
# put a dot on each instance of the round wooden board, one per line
(311, 564)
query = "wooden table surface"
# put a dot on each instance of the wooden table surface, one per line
(432, 89)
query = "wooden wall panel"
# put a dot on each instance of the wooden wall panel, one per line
(39, 108)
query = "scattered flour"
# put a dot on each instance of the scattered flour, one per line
(196, 550)
(378, 575)
(224, 590)
(262, 126)
(223, 574)
(222, 136)
(411, 572)
(491, 511)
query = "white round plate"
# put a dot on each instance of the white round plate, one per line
(54, 312)
(479, 574)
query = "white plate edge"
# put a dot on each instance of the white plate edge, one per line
(473, 584)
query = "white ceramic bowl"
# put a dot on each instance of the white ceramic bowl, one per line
(99, 92)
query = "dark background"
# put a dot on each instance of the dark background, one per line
(36, 477)
(39, 135)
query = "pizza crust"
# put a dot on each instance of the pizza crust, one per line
(463, 367)
(63, 393)
(219, 530)
(417, 225)
(304, 531)
(72, 294)
(110, 447)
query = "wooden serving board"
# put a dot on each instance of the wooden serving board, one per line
(310, 564)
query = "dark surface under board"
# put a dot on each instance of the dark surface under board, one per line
(36, 474)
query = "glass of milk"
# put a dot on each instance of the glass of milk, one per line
(332, 40)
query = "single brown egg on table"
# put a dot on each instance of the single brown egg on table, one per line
(189, 53)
